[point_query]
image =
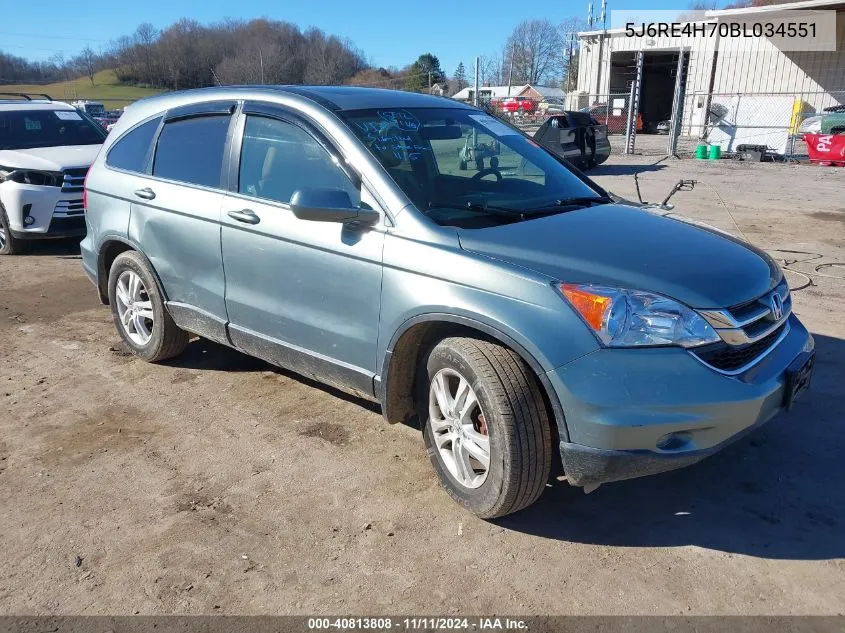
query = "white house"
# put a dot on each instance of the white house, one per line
(486, 93)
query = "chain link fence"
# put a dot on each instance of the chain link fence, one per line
(768, 122)
(610, 110)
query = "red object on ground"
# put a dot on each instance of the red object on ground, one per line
(826, 149)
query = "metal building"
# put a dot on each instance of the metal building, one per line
(712, 69)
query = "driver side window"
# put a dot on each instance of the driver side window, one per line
(278, 157)
(467, 156)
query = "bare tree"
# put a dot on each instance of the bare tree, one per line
(569, 30)
(88, 61)
(145, 39)
(188, 54)
(536, 47)
(489, 71)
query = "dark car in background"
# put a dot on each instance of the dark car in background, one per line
(576, 137)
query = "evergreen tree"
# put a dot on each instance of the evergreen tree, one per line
(460, 78)
(427, 66)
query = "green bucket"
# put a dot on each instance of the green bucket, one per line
(701, 152)
(715, 152)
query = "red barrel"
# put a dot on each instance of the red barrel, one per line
(826, 149)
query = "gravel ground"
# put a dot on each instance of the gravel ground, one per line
(217, 484)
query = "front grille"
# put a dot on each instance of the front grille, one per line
(726, 357)
(74, 179)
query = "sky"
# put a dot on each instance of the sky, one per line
(389, 32)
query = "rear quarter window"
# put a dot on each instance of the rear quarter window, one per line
(130, 152)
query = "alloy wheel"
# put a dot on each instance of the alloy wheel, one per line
(459, 428)
(134, 307)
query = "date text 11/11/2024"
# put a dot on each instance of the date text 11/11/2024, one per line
(422, 623)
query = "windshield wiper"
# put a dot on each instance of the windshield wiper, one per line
(479, 207)
(559, 205)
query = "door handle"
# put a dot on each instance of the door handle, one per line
(247, 216)
(146, 193)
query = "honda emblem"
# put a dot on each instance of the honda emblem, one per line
(777, 306)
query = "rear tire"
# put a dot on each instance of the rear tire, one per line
(140, 316)
(9, 244)
(509, 412)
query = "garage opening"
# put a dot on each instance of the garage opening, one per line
(658, 82)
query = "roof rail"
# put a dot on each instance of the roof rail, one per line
(27, 96)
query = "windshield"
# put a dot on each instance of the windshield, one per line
(28, 129)
(465, 168)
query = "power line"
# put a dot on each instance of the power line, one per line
(54, 37)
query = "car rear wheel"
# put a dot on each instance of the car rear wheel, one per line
(9, 244)
(486, 427)
(139, 313)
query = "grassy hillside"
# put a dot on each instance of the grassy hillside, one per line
(106, 88)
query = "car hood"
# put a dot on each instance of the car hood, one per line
(618, 245)
(50, 158)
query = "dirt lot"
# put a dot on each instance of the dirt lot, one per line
(217, 484)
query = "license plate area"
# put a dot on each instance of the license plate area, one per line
(798, 377)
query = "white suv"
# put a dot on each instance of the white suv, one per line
(46, 148)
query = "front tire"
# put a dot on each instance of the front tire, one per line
(9, 244)
(486, 427)
(139, 313)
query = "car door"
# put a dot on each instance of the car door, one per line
(175, 214)
(299, 293)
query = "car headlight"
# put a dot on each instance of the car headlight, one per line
(32, 177)
(629, 318)
(811, 125)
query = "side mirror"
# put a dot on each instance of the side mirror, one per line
(321, 204)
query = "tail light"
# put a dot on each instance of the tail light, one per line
(85, 191)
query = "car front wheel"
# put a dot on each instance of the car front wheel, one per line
(9, 244)
(486, 427)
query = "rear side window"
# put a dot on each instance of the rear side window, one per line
(191, 150)
(130, 152)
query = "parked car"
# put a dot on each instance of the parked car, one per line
(46, 148)
(831, 122)
(523, 105)
(576, 137)
(331, 230)
(552, 105)
(93, 109)
(616, 119)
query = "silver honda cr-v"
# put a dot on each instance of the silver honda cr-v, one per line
(418, 252)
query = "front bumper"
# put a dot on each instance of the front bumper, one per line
(37, 212)
(59, 227)
(622, 404)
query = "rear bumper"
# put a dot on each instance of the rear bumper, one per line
(621, 405)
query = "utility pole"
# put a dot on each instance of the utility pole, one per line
(603, 18)
(475, 96)
(261, 63)
(510, 73)
(429, 82)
